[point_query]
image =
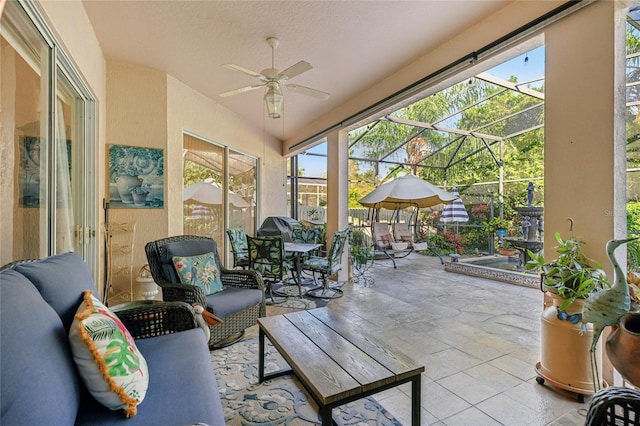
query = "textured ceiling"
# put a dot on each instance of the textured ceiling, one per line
(351, 44)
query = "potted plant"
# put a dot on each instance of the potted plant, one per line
(572, 275)
(497, 224)
(506, 249)
(567, 281)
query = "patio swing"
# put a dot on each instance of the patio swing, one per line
(394, 239)
(403, 192)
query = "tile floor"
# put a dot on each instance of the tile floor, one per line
(478, 340)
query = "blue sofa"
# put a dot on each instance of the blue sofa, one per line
(40, 383)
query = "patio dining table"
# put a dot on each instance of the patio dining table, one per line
(298, 249)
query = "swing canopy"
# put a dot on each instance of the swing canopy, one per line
(406, 191)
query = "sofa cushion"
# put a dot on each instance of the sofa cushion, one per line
(108, 360)
(200, 270)
(182, 385)
(39, 379)
(232, 300)
(61, 280)
(182, 248)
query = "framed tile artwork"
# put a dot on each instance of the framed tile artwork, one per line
(136, 177)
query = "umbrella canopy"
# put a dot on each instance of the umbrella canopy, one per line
(406, 191)
(210, 192)
(454, 212)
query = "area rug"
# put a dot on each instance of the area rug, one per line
(291, 297)
(279, 401)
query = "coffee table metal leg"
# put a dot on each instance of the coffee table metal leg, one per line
(260, 355)
(325, 416)
(415, 400)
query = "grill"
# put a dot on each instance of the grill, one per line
(278, 225)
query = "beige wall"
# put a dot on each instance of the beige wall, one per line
(136, 116)
(192, 111)
(151, 109)
(584, 154)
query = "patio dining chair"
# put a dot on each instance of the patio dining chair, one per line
(327, 266)
(267, 257)
(238, 240)
(306, 235)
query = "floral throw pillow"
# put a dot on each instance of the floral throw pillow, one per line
(110, 364)
(201, 271)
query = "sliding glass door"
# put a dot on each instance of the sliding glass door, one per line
(219, 191)
(46, 114)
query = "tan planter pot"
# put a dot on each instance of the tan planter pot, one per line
(565, 361)
(507, 252)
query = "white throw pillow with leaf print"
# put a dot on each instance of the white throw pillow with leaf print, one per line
(110, 364)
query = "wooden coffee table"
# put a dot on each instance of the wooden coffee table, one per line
(336, 361)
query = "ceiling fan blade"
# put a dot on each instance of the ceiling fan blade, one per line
(243, 70)
(241, 90)
(308, 91)
(295, 69)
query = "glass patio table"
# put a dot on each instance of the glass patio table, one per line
(298, 249)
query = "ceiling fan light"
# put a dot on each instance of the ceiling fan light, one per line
(273, 98)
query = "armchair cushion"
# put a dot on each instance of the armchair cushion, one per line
(233, 299)
(181, 248)
(200, 270)
(113, 369)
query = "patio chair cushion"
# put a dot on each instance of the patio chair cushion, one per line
(182, 248)
(404, 237)
(399, 246)
(111, 366)
(420, 246)
(233, 300)
(200, 270)
(385, 239)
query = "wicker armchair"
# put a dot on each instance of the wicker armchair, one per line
(614, 406)
(150, 318)
(160, 254)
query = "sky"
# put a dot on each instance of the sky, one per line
(528, 70)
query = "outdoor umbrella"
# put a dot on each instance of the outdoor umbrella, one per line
(210, 192)
(200, 213)
(455, 212)
(406, 191)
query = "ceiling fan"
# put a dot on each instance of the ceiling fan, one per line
(273, 79)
